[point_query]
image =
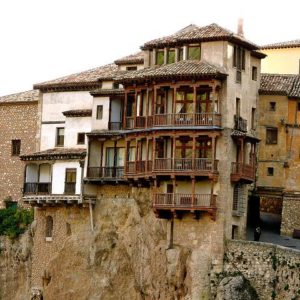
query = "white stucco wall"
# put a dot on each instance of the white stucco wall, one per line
(72, 127)
(103, 123)
(59, 174)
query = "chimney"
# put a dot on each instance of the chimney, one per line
(240, 30)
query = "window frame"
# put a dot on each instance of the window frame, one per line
(191, 47)
(15, 147)
(99, 112)
(82, 135)
(254, 73)
(269, 140)
(270, 171)
(159, 52)
(60, 138)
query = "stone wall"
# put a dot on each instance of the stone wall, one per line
(17, 121)
(272, 270)
(290, 215)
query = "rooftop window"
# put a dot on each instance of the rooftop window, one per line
(160, 57)
(194, 52)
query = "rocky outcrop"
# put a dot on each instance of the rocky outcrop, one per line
(15, 267)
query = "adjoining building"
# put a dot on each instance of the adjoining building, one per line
(278, 159)
(18, 128)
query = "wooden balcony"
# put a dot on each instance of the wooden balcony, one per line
(178, 120)
(105, 173)
(59, 200)
(198, 166)
(166, 204)
(242, 172)
(37, 188)
(138, 168)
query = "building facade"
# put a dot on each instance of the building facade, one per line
(19, 127)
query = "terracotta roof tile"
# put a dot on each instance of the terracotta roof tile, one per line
(95, 75)
(78, 113)
(107, 92)
(137, 58)
(288, 44)
(28, 96)
(56, 154)
(181, 69)
(276, 84)
(195, 34)
(295, 92)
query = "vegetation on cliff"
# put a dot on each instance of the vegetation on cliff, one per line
(14, 221)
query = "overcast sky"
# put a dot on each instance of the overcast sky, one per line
(46, 39)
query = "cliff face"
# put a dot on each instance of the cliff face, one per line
(125, 257)
(15, 267)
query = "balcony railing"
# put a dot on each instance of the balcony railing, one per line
(37, 188)
(188, 119)
(180, 119)
(115, 125)
(184, 201)
(242, 171)
(185, 164)
(138, 167)
(240, 124)
(105, 172)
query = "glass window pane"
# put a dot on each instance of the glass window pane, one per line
(160, 57)
(171, 56)
(194, 53)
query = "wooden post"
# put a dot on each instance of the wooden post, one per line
(136, 153)
(115, 158)
(153, 152)
(194, 154)
(171, 233)
(212, 193)
(173, 154)
(101, 159)
(193, 191)
(135, 108)
(147, 154)
(174, 187)
(195, 104)
(213, 148)
(147, 106)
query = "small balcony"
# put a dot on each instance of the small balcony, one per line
(37, 188)
(166, 203)
(240, 124)
(242, 172)
(105, 173)
(138, 168)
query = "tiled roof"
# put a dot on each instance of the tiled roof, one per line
(137, 58)
(55, 154)
(28, 96)
(78, 113)
(193, 33)
(107, 92)
(181, 69)
(280, 84)
(288, 44)
(91, 77)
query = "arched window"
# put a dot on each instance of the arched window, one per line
(49, 228)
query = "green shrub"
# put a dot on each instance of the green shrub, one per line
(14, 221)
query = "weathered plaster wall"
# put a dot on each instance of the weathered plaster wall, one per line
(272, 270)
(17, 121)
(290, 215)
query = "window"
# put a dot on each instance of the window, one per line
(238, 200)
(270, 171)
(180, 54)
(239, 62)
(70, 181)
(237, 107)
(132, 68)
(254, 73)
(160, 57)
(116, 85)
(80, 138)
(171, 56)
(99, 114)
(49, 228)
(271, 135)
(253, 118)
(272, 106)
(194, 52)
(60, 137)
(298, 106)
(15, 147)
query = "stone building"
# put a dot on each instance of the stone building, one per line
(278, 156)
(18, 128)
(175, 123)
(282, 58)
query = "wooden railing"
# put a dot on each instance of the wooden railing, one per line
(138, 167)
(105, 172)
(242, 170)
(172, 200)
(180, 119)
(185, 164)
(188, 119)
(37, 188)
(115, 125)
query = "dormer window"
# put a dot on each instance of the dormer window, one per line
(194, 52)
(180, 54)
(159, 57)
(171, 56)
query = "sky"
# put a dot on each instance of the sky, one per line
(46, 39)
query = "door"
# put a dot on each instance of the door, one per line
(70, 181)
